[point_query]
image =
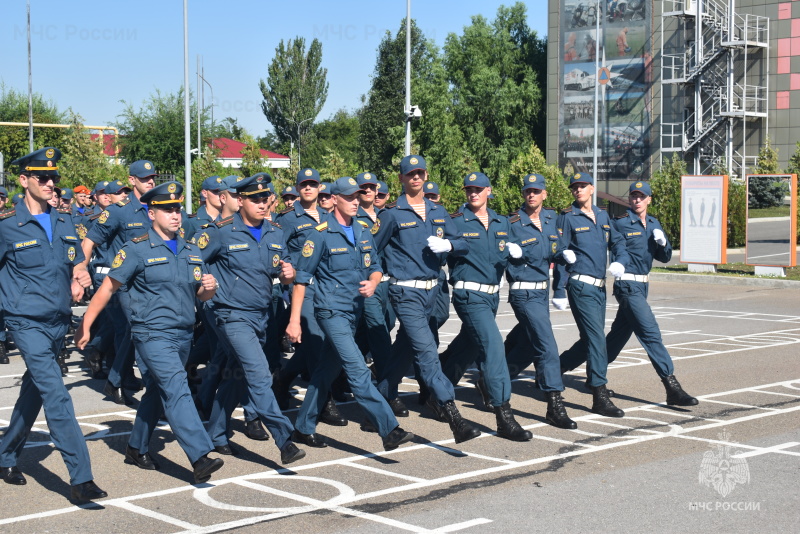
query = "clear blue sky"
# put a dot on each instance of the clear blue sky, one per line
(90, 55)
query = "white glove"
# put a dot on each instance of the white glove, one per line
(560, 304)
(659, 237)
(569, 256)
(616, 269)
(439, 245)
(514, 250)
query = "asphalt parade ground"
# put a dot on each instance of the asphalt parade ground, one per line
(729, 464)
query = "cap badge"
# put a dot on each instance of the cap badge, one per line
(308, 172)
(638, 184)
(50, 153)
(351, 181)
(472, 177)
(148, 166)
(413, 161)
(171, 188)
(367, 175)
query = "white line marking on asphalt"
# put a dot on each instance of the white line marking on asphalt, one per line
(154, 515)
(355, 464)
(461, 526)
(767, 450)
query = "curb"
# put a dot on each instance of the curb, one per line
(725, 280)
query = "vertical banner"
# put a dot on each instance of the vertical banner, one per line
(704, 219)
(625, 106)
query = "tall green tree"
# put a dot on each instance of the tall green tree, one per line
(767, 160)
(295, 89)
(252, 159)
(794, 161)
(155, 131)
(335, 135)
(666, 204)
(495, 91)
(84, 162)
(382, 118)
(533, 161)
(14, 108)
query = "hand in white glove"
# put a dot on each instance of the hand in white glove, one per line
(659, 237)
(439, 245)
(560, 304)
(514, 250)
(616, 269)
(569, 256)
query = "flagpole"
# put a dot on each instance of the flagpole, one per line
(598, 12)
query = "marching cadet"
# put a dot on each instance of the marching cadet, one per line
(373, 326)
(42, 270)
(532, 340)
(297, 222)
(289, 196)
(210, 210)
(163, 275)
(248, 251)
(101, 347)
(324, 200)
(118, 224)
(340, 256)
(414, 235)
(644, 240)
(381, 195)
(585, 236)
(3, 338)
(476, 277)
(65, 199)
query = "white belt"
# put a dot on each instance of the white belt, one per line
(102, 270)
(634, 277)
(385, 278)
(591, 280)
(419, 284)
(475, 286)
(529, 285)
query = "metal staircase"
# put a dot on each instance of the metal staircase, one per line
(714, 76)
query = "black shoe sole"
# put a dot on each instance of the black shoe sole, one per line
(205, 475)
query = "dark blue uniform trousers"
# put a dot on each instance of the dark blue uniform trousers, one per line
(245, 333)
(532, 339)
(634, 316)
(162, 358)
(309, 352)
(414, 308)
(373, 328)
(588, 304)
(339, 328)
(42, 386)
(477, 311)
(122, 365)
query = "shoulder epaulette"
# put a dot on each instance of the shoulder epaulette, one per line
(321, 227)
(7, 213)
(143, 237)
(65, 211)
(94, 217)
(224, 222)
(456, 214)
(206, 225)
(390, 205)
(123, 202)
(437, 202)
(287, 210)
(192, 215)
(566, 210)
(276, 225)
(549, 209)
(513, 217)
(365, 225)
(623, 216)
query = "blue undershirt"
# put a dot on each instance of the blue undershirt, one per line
(348, 231)
(44, 220)
(173, 245)
(256, 231)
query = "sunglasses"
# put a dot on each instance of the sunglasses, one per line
(44, 179)
(383, 195)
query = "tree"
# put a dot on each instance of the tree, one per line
(767, 160)
(794, 161)
(495, 90)
(14, 108)
(155, 131)
(382, 118)
(252, 159)
(335, 135)
(666, 204)
(295, 89)
(83, 161)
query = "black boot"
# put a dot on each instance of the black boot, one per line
(480, 385)
(676, 396)
(462, 430)
(556, 413)
(62, 362)
(331, 415)
(507, 426)
(3, 355)
(602, 404)
(280, 388)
